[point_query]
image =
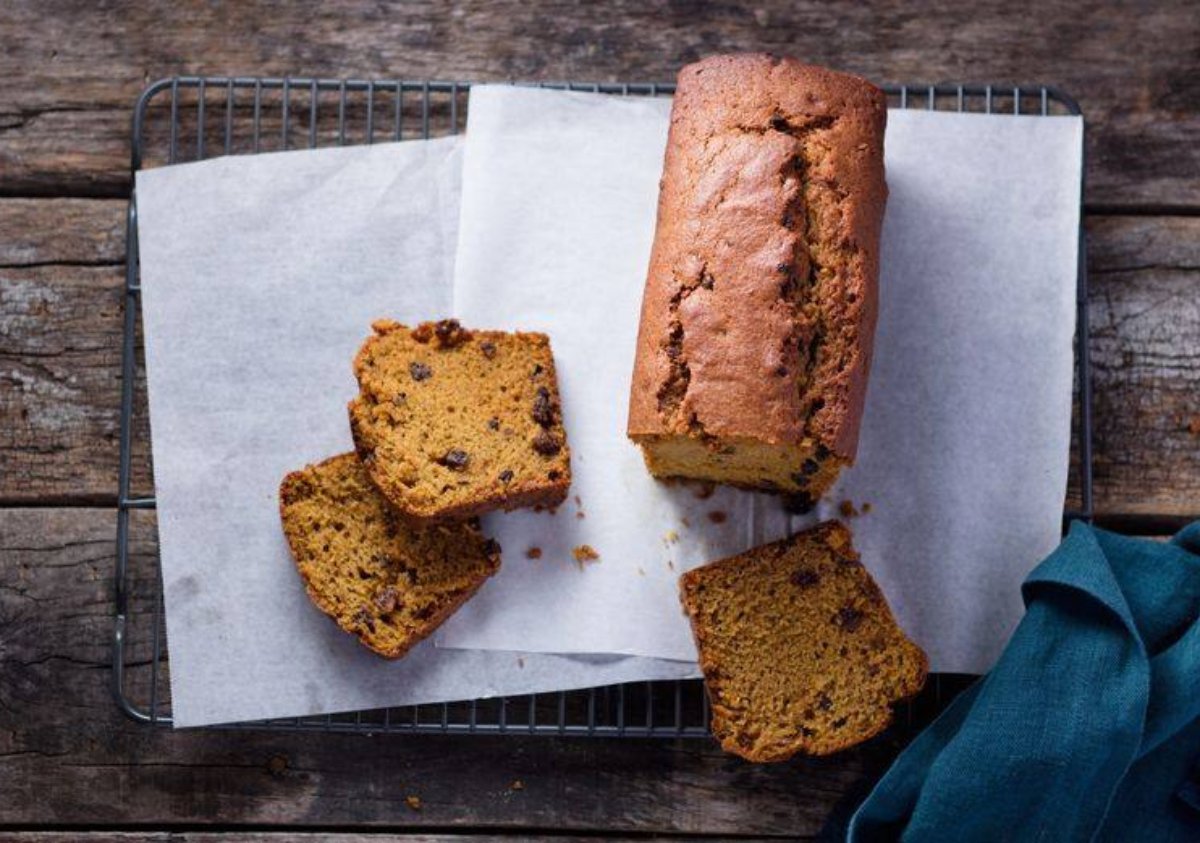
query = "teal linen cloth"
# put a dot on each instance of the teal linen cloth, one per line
(1088, 727)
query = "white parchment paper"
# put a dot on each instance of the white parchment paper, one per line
(260, 277)
(964, 450)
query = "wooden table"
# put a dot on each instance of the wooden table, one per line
(69, 762)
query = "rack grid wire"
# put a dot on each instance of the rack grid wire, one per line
(192, 118)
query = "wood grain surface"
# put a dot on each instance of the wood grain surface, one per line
(374, 836)
(68, 757)
(78, 70)
(71, 766)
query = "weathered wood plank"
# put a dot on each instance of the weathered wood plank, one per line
(73, 75)
(235, 837)
(59, 358)
(1145, 323)
(83, 231)
(67, 756)
(60, 363)
(84, 836)
(289, 836)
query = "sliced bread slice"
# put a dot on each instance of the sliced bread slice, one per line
(798, 647)
(385, 581)
(452, 423)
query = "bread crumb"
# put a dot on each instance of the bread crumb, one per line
(671, 564)
(671, 537)
(413, 802)
(847, 509)
(1194, 426)
(717, 516)
(685, 521)
(580, 514)
(585, 553)
(577, 501)
(866, 507)
(705, 490)
(517, 785)
(641, 573)
(533, 553)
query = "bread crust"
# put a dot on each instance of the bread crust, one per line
(744, 333)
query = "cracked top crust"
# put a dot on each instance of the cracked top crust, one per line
(760, 300)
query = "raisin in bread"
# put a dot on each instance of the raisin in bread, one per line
(452, 423)
(760, 301)
(798, 647)
(384, 580)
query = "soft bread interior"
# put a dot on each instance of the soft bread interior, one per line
(803, 469)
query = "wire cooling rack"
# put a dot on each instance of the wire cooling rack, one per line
(192, 118)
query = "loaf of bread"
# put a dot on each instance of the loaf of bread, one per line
(798, 647)
(452, 423)
(760, 300)
(378, 577)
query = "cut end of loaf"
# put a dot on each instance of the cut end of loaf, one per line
(799, 650)
(804, 469)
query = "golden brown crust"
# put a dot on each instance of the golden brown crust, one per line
(453, 423)
(377, 577)
(798, 647)
(760, 300)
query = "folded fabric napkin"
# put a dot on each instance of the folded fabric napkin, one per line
(1088, 727)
